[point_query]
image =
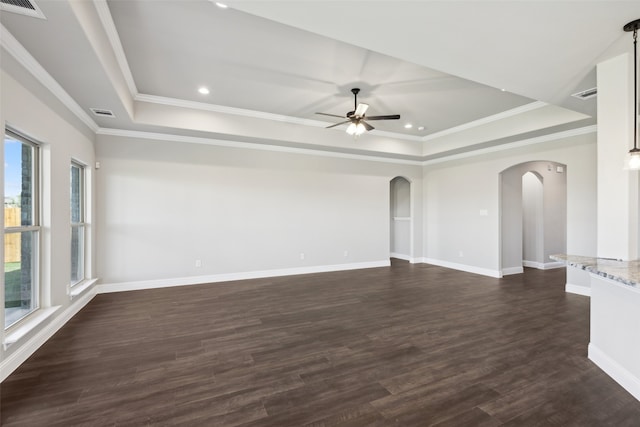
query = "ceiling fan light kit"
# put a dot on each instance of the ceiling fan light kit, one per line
(357, 124)
(356, 129)
(634, 153)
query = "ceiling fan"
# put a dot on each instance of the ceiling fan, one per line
(357, 125)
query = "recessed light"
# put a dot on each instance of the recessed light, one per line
(503, 89)
(203, 90)
(221, 5)
(420, 127)
(408, 126)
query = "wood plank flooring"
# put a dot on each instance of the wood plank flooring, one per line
(408, 345)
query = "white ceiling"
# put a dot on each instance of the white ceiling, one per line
(271, 65)
(539, 49)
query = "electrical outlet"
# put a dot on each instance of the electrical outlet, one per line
(461, 254)
(301, 255)
(198, 263)
(346, 254)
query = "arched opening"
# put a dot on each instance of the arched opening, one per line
(532, 220)
(400, 219)
(533, 215)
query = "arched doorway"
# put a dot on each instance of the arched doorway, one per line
(533, 215)
(400, 219)
(532, 220)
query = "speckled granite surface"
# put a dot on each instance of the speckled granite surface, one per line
(627, 272)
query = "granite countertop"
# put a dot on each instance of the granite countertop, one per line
(627, 272)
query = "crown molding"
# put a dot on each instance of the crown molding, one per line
(516, 144)
(181, 103)
(253, 146)
(486, 120)
(24, 58)
(104, 14)
(324, 153)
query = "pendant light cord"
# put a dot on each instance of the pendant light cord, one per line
(635, 88)
(634, 153)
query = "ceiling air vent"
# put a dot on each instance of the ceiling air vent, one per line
(586, 94)
(23, 7)
(101, 112)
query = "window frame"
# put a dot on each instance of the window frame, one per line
(80, 225)
(36, 226)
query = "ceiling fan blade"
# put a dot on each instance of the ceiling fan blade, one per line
(331, 115)
(362, 108)
(338, 124)
(366, 125)
(389, 117)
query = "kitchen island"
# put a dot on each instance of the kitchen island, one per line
(615, 316)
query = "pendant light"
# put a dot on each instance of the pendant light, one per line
(634, 153)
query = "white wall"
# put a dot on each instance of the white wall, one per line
(618, 213)
(462, 211)
(29, 108)
(165, 205)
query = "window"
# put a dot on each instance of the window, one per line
(78, 224)
(21, 227)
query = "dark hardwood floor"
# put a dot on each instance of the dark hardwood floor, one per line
(409, 345)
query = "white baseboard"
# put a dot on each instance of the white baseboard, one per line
(554, 264)
(401, 256)
(463, 267)
(512, 270)
(197, 280)
(532, 264)
(543, 265)
(15, 359)
(577, 289)
(621, 375)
